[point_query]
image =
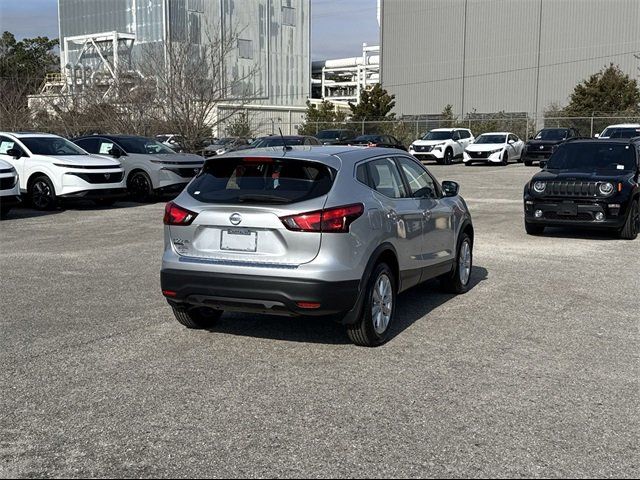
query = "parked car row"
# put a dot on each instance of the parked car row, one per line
(102, 168)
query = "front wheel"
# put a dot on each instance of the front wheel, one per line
(448, 157)
(505, 159)
(42, 195)
(468, 164)
(457, 281)
(372, 327)
(632, 225)
(528, 163)
(197, 317)
(140, 187)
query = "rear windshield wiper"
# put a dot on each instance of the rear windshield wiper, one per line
(263, 198)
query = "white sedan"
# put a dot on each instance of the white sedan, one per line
(494, 147)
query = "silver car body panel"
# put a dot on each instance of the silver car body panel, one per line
(423, 233)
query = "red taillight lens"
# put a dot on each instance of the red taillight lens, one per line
(330, 220)
(176, 215)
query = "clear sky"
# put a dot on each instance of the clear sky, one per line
(339, 27)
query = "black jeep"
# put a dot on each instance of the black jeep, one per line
(541, 146)
(587, 183)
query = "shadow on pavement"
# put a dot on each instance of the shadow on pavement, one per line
(413, 305)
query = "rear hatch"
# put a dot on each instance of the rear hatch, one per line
(239, 203)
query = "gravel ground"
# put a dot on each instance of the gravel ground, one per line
(533, 373)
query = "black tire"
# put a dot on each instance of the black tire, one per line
(457, 281)
(197, 317)
(468, 164)
(505, 159)
(448, 157)
(104, 202)
(533, 229)
(140, 187)
(364, 332)
(632, 225)
(528, 163)
(4, 211)
(42, 195)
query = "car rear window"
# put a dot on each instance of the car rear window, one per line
(260, 180)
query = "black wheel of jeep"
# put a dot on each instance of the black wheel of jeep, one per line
(448, 157)
(632, 224)
(42, 195)
(140, 187)
(533, 229)
(457, 281)
(197, 317)
(372, 327)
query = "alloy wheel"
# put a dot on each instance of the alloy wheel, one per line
(464, 262)
(382, 304)
(41, 194)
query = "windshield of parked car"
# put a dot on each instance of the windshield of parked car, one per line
(277, 141)
(491, 139)
(144, 146)
(330, 134)
(433, 135)
(252, 180)
(596, 155)
(51, 146)
(162, 138)
(627, 132)
(552, 134)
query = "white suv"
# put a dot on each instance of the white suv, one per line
(442, 145)
(623, 130)
(51, 167)
(9, 188)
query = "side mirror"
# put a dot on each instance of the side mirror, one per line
(511, 142)
(15, 153)
(597, 135)
(115, 152)
(543, 164)
(450, 189)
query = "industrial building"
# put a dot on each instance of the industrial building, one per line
(342, 80)
(101, 39)
(501, 55)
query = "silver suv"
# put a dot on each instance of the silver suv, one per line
(323, 231)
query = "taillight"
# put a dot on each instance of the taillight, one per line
(176, 215)
(330, 220)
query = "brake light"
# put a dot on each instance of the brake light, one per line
(330, 220)
(176, 215)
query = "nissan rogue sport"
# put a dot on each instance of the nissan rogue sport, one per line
(323, 231)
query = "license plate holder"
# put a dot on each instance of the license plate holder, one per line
(239, 240)
(568, 209)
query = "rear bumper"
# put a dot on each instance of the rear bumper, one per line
(258, 294)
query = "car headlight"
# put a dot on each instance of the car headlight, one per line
(220, 151)
(539, 187)
(606, 188)
(495, 151)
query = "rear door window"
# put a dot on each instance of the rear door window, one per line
(261, 180)
(385, 178)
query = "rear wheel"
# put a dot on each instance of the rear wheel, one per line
(197, 317)
(140, 187)
(372, 326)
(632, 225)
(42, 195)
(457, 281)
(533, 229)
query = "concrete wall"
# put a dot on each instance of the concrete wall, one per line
(494, 55)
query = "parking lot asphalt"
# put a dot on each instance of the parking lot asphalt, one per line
(534, 372)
